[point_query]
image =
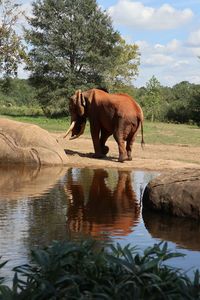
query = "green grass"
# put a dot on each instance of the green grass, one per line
(164, 133)
(154, 133)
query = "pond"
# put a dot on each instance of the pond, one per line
(41, 205)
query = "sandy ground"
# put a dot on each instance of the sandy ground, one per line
(153, 157)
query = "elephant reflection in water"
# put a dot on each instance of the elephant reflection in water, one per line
(104, 204)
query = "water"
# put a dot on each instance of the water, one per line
(41, 205)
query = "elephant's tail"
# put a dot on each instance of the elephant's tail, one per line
(142, 140)
(140, 123)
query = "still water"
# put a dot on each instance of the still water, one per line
(41, 205)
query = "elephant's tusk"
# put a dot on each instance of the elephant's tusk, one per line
(80, 133)
(70, 129)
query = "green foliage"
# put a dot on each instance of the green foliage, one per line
(178, 104)
(151, 100)
(12, 50)
(75, 46)
(184, 105)
(17, 98)
(85, 270)
(33, 111)
(124, 66)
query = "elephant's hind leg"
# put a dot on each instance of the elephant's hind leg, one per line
(104, 136)
(129, 143)
(121, 146)
(120, 136)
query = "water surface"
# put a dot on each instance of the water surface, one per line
(41, 205)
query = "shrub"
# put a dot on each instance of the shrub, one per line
(85, 270)
(33, 111)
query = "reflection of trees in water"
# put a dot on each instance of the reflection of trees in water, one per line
(30, 206)
(47, 217)
(105, 203)
(30, 209)
(185, 232)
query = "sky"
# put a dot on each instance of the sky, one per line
(167, 33)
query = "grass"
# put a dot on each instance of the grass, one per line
(154, 133)
(86, 270)
(168, 133)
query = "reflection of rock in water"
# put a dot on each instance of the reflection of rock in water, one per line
(184, 232)
(97, 209)
(23, 181)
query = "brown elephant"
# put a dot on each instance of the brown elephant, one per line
(98, 208)
(109, 114)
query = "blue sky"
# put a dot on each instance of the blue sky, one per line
(167, 33)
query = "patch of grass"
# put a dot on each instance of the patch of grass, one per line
(167, 133)
(69, 270)
(154, 132)
(53, 125)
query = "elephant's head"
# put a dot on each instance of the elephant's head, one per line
(77, 108)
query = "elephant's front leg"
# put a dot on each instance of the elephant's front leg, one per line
(95, 132)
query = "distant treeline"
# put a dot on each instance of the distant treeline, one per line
(177, 104)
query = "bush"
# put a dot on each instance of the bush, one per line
(69, 270)
(33, 111)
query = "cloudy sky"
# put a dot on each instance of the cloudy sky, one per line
(167, 33)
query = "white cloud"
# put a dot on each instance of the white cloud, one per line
(195, 51)
(173, 45)
(157, 60)
(171, 63)
(194, 38)
(180, 63)
(136, 14)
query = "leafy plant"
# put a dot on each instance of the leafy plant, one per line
(85, 270)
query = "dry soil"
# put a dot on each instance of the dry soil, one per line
(153, 157)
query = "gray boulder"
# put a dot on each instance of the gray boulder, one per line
(24, 143)
(176, 193)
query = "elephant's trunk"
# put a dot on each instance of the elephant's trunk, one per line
(70, 129)
(80, 132)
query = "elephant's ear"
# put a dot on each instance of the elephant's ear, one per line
(80, 103)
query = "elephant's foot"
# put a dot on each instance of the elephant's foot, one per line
(129, 158)
(122, 158)
(98, 155)
(105, 150)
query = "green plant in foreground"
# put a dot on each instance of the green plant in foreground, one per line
(72, 270)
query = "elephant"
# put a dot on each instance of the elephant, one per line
(109, 114)
(118, 208)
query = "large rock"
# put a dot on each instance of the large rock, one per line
(177, 194)
(28, 144)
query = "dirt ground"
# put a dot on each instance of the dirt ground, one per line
(153, 157)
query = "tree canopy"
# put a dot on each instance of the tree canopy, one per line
(12, 50)
(74, 45)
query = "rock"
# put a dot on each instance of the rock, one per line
(177, 194)
(25, 143)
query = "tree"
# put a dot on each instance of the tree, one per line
(12, 50)
(74, 46)
(152, 99)
(182, 106)
(124, 65)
